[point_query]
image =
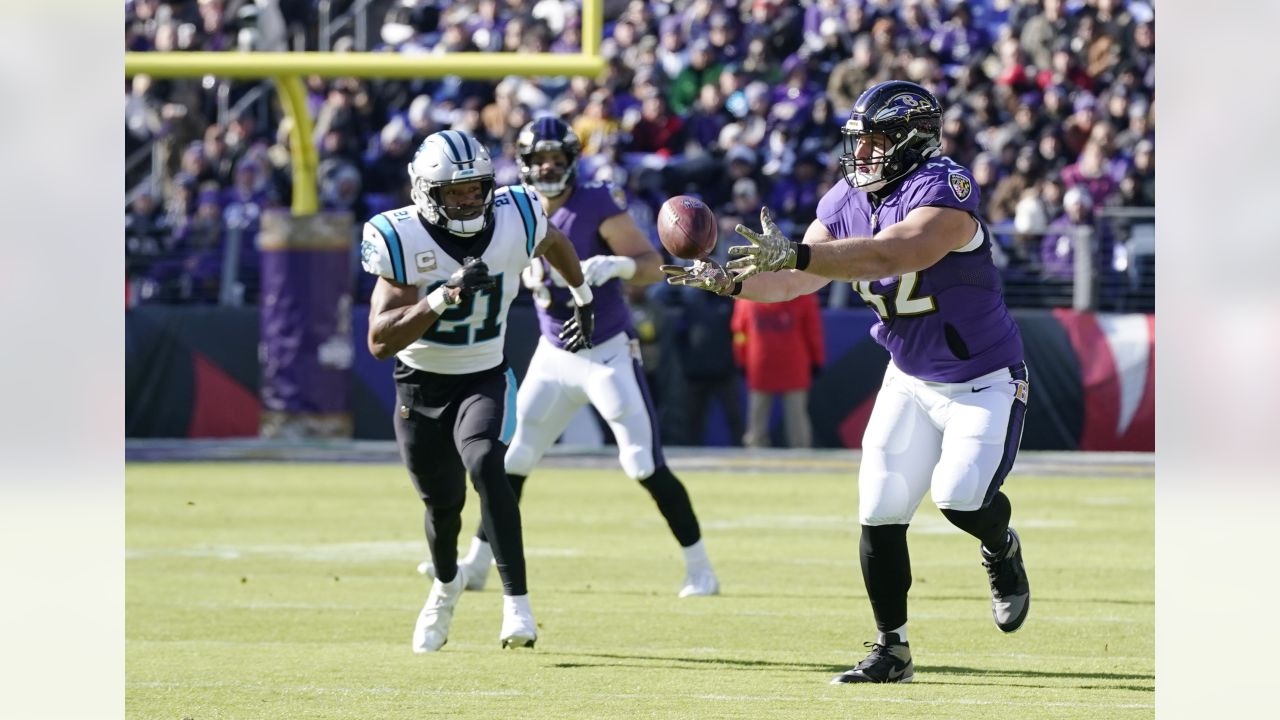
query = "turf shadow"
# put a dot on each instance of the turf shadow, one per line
(986, 672)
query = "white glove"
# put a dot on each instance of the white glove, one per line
(600, 269)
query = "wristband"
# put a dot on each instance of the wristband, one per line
(802, 256)
(581, 294)
(737, 288)
(438, 301)
(626, 267)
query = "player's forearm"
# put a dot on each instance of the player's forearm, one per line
(647, 269)
(780, 286)
(564, 259)
(393, 330)
(854, 259)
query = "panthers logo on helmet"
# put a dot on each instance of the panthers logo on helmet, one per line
(960, 186)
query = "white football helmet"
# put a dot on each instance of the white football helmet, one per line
(445, 158)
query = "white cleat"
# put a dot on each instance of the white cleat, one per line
(432, 630)
(518, 628)
(700, 582)
(474, 566)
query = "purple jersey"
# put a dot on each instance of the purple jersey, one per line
(591, 204)
(948, 322)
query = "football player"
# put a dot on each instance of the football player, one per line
(904, 229)
(447, 269)
(608, 375)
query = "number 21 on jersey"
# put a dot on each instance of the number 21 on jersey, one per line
(464, 328)
(902, 304)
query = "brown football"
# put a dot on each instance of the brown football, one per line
(687, 227)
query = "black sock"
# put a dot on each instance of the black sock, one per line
(989, 524)
(674, 504)
(517, 486)
(886, 571)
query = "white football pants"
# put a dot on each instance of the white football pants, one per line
(558, 383)
(957, 440)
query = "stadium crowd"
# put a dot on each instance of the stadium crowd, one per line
(1049, 102)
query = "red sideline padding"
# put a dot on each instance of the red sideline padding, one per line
(855, 423)
(1117, 368)
(221, 406)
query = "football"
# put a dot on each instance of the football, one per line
(687, 227)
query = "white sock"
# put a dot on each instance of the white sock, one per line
(900, 632)
(512, 604)
(695, 557)
(479, 550)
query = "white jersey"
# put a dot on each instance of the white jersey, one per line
(469, 337)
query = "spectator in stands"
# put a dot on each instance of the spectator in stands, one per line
(149, 248)
(1138, 188)
(1001, 204)
(780, 23)
(1091, 173)
(780, 349)
(658, 131)
(217, 155)
(958, 41)
(1043, 30)
(597, 127)
(796, 194)
(1058, 249)
(726, 44)
(707, 117)
(758, 64)
(1137, 129)
(202, 242)
(242, 207)
(702, 70)
(986, 173)
(830, 48)
(1076, 129)
(384, 174)
(1029, 225)
(1051, 152)
(212, 32)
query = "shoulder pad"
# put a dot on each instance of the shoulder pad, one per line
(528, 205)
(381, 251)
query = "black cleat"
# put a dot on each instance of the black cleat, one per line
(887, 663)
(1010, 591)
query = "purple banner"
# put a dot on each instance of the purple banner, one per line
(306, 348)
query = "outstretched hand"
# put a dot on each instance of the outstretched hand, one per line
(769, 250)
(706, 275)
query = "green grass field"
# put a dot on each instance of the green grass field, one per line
(289, 591)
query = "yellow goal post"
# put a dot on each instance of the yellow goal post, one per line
(288, 68)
